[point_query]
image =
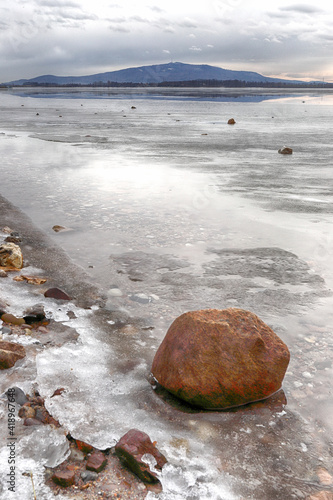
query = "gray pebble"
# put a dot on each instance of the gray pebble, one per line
(88, 475)
(19, 396)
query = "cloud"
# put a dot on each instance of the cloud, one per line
(188, 23)
(80, 37)
(155, 8)
(301, 8)
(57, 3)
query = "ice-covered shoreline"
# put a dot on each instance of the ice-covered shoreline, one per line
(183, 213)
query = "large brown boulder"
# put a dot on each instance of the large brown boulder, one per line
(220, 358)
(10, 353)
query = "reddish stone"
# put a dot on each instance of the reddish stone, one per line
(64, 478)
(96, 462)
(10, 353)
(217, 359)
(56, 293)
(231, 121)
(130, 449)
(285, 151)
(84, 447)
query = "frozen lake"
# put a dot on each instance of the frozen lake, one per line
(171, 209)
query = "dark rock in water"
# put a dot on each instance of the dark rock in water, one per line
(218, 359)
(10, 318)
(231, 121)
(17, 395)
(285, 151)
(131, 448)
(64, 478)
(56, 293)
(96, 462)
(10, 353)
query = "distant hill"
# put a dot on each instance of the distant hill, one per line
(157, 73)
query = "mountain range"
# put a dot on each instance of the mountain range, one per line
(158, 73)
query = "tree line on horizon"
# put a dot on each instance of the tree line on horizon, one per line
(187, 84)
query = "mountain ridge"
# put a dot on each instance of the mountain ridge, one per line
(156, 73)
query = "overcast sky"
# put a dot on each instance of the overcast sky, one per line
(80, 37)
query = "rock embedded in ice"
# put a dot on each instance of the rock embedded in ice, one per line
(11, 256)
(10, 318)
(231, 121)
(132, 448)
(285, 151)
(58, 229)
(217, 359)
(17, 395)
(56, 293)
(10, 353)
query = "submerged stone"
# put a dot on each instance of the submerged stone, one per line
(218, 359)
